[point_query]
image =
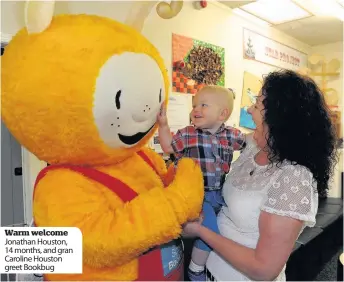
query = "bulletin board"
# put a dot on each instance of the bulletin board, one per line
(250, 90)
(195, 64)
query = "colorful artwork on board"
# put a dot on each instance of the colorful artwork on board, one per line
(250, 90)
(196, 64)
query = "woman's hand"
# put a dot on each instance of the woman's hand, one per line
(192, 228)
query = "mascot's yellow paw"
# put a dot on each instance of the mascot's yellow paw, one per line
(186, 192)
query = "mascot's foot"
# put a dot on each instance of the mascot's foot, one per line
(196, 276)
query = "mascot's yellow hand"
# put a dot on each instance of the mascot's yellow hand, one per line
(186, 192)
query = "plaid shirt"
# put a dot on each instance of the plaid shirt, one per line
(213, 152)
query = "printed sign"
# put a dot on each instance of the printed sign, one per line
(172, 256)
(262, 49)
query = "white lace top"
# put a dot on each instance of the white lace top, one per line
(287, 191)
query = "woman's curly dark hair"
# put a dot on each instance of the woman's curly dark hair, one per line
(300, 128)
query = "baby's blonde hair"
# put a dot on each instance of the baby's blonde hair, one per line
(226, 93)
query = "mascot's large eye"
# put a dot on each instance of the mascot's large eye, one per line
(118, 103)
(160, 96)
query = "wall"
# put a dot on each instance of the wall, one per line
(216, 24)
(330, 52)
(334, 51)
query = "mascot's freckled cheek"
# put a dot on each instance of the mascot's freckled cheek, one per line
(124, 108)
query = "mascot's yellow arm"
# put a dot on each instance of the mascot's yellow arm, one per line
(114, 233)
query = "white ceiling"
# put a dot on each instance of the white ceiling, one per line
(314, 30)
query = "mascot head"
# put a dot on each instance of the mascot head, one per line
(83, 89)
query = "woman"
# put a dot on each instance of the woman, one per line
(272, 190)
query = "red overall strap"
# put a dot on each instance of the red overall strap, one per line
(108, 181)
(148, 161)
(112, 183)
(150, 264)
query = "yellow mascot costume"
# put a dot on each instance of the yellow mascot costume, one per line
(82, 93)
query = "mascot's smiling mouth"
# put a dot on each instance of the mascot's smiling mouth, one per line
(132, 139)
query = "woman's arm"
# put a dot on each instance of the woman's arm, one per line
(279, 226)
(277, 238)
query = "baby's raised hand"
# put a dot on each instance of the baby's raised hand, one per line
(162, 118)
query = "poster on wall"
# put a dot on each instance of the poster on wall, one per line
(265, 50)
(250, 90)
(195, 64)
(156, 144)
(178, 111)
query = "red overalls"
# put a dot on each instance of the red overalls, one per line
(150, 263)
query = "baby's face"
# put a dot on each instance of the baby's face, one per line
(207, 110)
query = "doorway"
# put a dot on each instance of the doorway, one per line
(12, 198)
(12, 202)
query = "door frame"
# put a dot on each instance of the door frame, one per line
(27, 186)
(31, 167)
(30, 164)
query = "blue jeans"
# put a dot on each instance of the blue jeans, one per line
(212, 204)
